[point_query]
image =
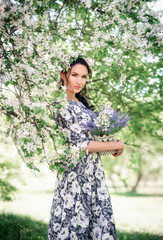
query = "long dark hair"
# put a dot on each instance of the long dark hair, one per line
(81, 96)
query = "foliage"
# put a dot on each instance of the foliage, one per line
(140, 161)
(21, 227)
(8, 168)
(120, 39)
(6, 188)
(136, 236)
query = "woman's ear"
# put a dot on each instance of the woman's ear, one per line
(63, 76)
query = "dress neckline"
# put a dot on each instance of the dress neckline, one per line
(80, 103)
(74, 101)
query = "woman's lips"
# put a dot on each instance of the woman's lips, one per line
(76, 87)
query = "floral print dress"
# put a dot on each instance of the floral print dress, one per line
(81, 207)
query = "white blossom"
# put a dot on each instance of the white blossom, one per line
(122, 78)
(38, 60)
(87, 3)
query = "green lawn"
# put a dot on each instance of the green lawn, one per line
(138, 216)
(16, 227)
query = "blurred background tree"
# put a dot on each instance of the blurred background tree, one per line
(9, 167)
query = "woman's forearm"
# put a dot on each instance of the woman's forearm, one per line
(95, 146)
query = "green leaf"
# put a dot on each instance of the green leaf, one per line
(51, 167)
(36, 169)
(39, 150)
(43, 123)
(7, 83)
(82, 154)
(37, 110)
(30, 165)
(62, 95)
(52, 60)
(50, 116)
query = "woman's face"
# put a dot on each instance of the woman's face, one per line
(76, 78)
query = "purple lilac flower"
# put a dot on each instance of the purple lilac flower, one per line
(124, 125)
(84, 125)
(90, 129)
(114, 115)
(87, 127)
(122, 121)
(92, 113)
(100, 128)
(91, 124)
(117, 122)
(125, 120)
(117, 113)
(124, 115)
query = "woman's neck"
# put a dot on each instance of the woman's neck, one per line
(71, 96)
(73, 99)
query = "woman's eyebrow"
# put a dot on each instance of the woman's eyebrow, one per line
(83, 74)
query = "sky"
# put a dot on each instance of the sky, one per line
(157, 6)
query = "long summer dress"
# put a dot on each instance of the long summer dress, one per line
(81, 207)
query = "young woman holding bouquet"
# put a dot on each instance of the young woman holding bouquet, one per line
(81, 207)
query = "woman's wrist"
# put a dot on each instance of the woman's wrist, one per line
(95, 146)
(120, 144)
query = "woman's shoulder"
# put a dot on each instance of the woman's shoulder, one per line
(63, 109)
(84, 101)
(62, 105)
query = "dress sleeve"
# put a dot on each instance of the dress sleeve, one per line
(78, 135)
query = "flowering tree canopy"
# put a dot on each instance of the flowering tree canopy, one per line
(118, 38)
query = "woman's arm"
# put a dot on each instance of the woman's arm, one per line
(95, 146)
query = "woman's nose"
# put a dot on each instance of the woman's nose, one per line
(79, 80)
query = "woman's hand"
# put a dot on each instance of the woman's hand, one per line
(118, 151)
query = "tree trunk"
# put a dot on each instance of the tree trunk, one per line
(139, 177)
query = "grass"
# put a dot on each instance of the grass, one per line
(135, 194)
(137, 236)
(16, 227)
(138, 216)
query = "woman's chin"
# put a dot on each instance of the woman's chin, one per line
(77, 90)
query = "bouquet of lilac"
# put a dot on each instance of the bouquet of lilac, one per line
(105, 124)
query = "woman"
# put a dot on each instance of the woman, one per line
(81, 207)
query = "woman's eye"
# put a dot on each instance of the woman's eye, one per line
(75, 75)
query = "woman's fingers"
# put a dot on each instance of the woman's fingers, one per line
(118, 152)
